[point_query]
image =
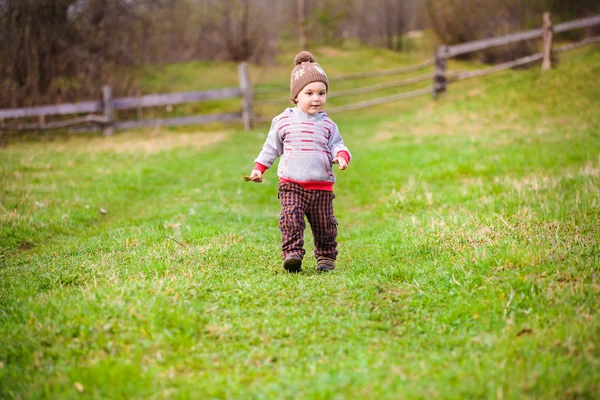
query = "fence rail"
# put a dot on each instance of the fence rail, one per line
(88, 119)
(108, 105)
(576, 45)
(381, 100)
(59, 109)
(361, 75)
(440, 76)
(381, 86)
(453, 51)
(395, 71)
(458, 76)
(443, 53)
(157, 100)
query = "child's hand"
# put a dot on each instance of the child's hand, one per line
(256, 176)
(341, 161)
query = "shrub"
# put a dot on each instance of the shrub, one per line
(460, 21)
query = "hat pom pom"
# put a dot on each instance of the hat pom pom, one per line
(304, 56)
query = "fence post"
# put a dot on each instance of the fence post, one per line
(107, 103)
(439, 76)
(246, 89)
(547, 36)
(140, 113)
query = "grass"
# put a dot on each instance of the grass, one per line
(143, 266)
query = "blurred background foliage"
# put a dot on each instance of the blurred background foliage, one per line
(65, 50)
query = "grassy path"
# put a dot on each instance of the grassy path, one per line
(469, 257)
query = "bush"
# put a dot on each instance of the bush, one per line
(460, 21)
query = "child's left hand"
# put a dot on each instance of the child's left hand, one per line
(341, 161)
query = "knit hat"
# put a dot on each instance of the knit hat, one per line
(306, 71)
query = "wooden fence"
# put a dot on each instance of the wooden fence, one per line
(441, 77)
(443, 53)
(364, 90)
(108, 105)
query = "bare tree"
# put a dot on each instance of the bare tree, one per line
(302, 25)
(34, 45)
(66, 49)
(246, 29)
(459, 21)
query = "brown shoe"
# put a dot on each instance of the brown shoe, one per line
(325, 264)
(292, 264)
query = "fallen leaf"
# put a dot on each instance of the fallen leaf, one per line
(79, 387)
(588, 317)
(525, 331)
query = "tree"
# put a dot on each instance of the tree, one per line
(34, 43)
(246, 29)
(302, 25)
(66, 49)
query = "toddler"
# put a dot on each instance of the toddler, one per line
(308, 142)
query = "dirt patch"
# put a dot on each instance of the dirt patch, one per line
(384, 136)
(591, 170)
(26, 245)
(149, 143)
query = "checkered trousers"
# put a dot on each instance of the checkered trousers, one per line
(317, 205)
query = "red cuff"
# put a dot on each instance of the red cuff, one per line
(344, 154)
(260, 167)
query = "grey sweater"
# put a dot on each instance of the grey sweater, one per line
(307, 144)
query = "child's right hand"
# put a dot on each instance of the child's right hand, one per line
(256, 176)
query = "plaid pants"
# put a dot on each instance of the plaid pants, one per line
(317, 205)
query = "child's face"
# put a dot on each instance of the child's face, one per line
(312, 98)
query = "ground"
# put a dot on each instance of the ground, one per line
(468, 256)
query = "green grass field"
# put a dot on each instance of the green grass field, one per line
(468, 268)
